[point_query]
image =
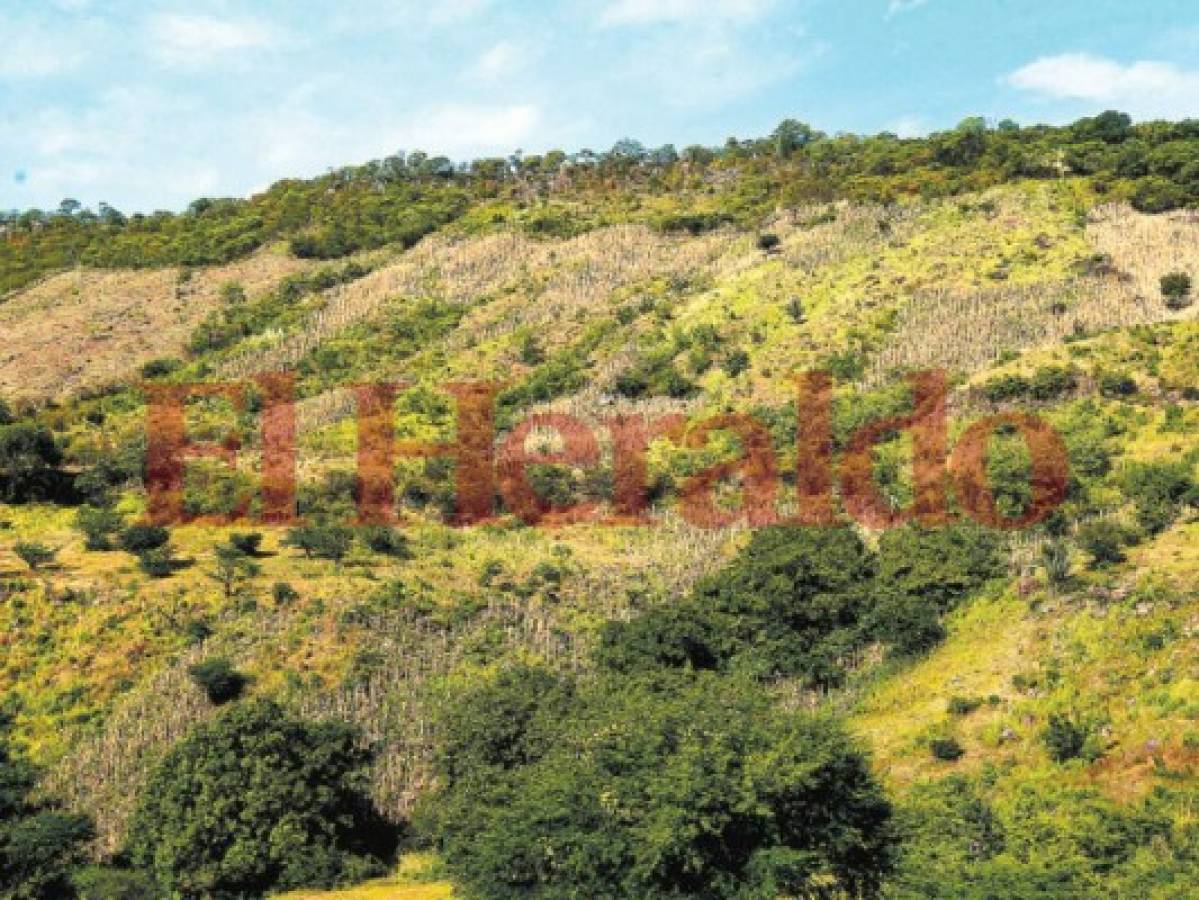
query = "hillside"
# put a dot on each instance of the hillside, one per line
(1034, 290)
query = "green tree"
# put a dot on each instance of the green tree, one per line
(29, 463)
(671, 786)
(257, 801)
(39, 844)
(1176, 290)
(793, 602)
(219, 680)
(99, 525)
(321, 541)
(138, 538)
(231, 569)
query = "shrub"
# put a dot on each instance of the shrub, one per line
(1116, 385)
(1105, 541)
(1005, 387)
(321, 541)
(940, 565)
(963, 706)
(138, 538)
(156, 368)
(247, 543)
(1064, 737)
(257, 801)
(1176, 290)
(219, 680)
(159, 562)
(736, 363)
(946, 749)
(1159, 490)
(98, 525)
(386, 540)
(1055, 560)
(284, 593)
(768, 242)
(793, 602)
(1051, 382)
(35, 555)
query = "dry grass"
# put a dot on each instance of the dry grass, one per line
(87, 328)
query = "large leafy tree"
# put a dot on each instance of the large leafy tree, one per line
(29, 461)
(670, 785)
(39, 844)
(257, 800)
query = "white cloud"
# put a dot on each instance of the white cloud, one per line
(908, 127)
(451, 12)
(299, 142)
(185, 39)
(708, 72)
(33, 50)
(498, 62)
(1145, 89)
(898, 7)
(463, 131)
(655, 12)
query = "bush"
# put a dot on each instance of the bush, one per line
(678, 786)
(792, 603)
(257, 801)
(138, 538)
(736, 363)
(98, 525)
(1116, 385)
(1105, 541)
(158, 563)
(1064, 738)
(321, 541)
(963, 706)
(1005, 387)
(284, 593)
(35, 555)
(768, 242)
(157, 368)
(219, 680)
(386, 540)
(1176, 290)
(1051, 382)
(940, 565)
(1055, 559)
(946, 749)
(246, 543)
(1159, 490)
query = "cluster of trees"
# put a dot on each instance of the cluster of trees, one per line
(406, 196)
(800, 603)
(672, 771)
(670, 784)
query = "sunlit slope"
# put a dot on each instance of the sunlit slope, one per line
(620, 317)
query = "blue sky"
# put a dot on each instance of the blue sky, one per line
(147, 105)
